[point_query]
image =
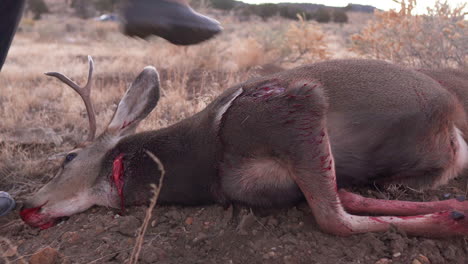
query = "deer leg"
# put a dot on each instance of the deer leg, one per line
(314, 173)
(357, 204)
(315, 176)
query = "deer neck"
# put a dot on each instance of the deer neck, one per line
(190, 152)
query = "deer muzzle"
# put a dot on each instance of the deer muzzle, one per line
(33, 217)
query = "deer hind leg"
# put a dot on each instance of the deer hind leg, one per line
(456, 159)
(290, 124)
(357, 204)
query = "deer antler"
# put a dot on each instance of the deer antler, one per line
(85, 93)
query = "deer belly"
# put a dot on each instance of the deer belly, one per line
(264, 182)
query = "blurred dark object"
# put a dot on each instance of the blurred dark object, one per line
(7, 204)
(10, 14)
(173, 20)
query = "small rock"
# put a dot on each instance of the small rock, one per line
(269, 255)
(71, 237)
(290, 260)
(128, 225)
(47, 255)
(200, 237)
(189, 220)
(396, 255)
(272, 221)
(246, 222)
(416, 261)
(174, 214)
(10, 252)
(423, 259)
(383, 261)
(447, 195)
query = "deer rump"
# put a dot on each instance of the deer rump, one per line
(305, 132)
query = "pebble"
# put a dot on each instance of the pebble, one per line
(246, 222)
(397, 254)
(383, 261)
(269, 255)
(421, 259)
(47, 255)
(189, 220)
(71, 237)
(200, 237)
(128, 225)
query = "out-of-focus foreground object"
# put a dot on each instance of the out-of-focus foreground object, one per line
(173, 20)
(7, 203)
(10, 14)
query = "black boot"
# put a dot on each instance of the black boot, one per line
(6, 203)
(169, 19)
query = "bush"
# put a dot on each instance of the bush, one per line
(266, 11)
(436, 40)
(223, 4)
(291, 12)
(339, 16)
(322, 15)
(38, 8)
(305, 42)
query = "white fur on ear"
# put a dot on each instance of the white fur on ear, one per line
(137, 103)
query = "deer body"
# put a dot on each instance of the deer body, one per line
(274, 140)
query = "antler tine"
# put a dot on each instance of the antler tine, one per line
(85, 94)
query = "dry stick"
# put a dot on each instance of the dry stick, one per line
(149, 211)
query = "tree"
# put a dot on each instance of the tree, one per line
(223, 4)
(38, 8)
(105, 5)
(266, 11)
(82, 8)
(289, 12)
(322, 15)
(340, 16)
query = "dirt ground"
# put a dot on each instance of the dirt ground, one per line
(213, 234)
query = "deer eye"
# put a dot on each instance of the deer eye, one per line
(70, 157)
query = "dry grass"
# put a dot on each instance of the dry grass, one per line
(436, 40)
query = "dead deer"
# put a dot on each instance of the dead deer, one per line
(271, 141)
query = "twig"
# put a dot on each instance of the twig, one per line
(156, 190)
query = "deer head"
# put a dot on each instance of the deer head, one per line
(78, 184)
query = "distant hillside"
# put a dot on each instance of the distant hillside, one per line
(310, 7)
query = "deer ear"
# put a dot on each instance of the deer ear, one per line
(136, 104)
